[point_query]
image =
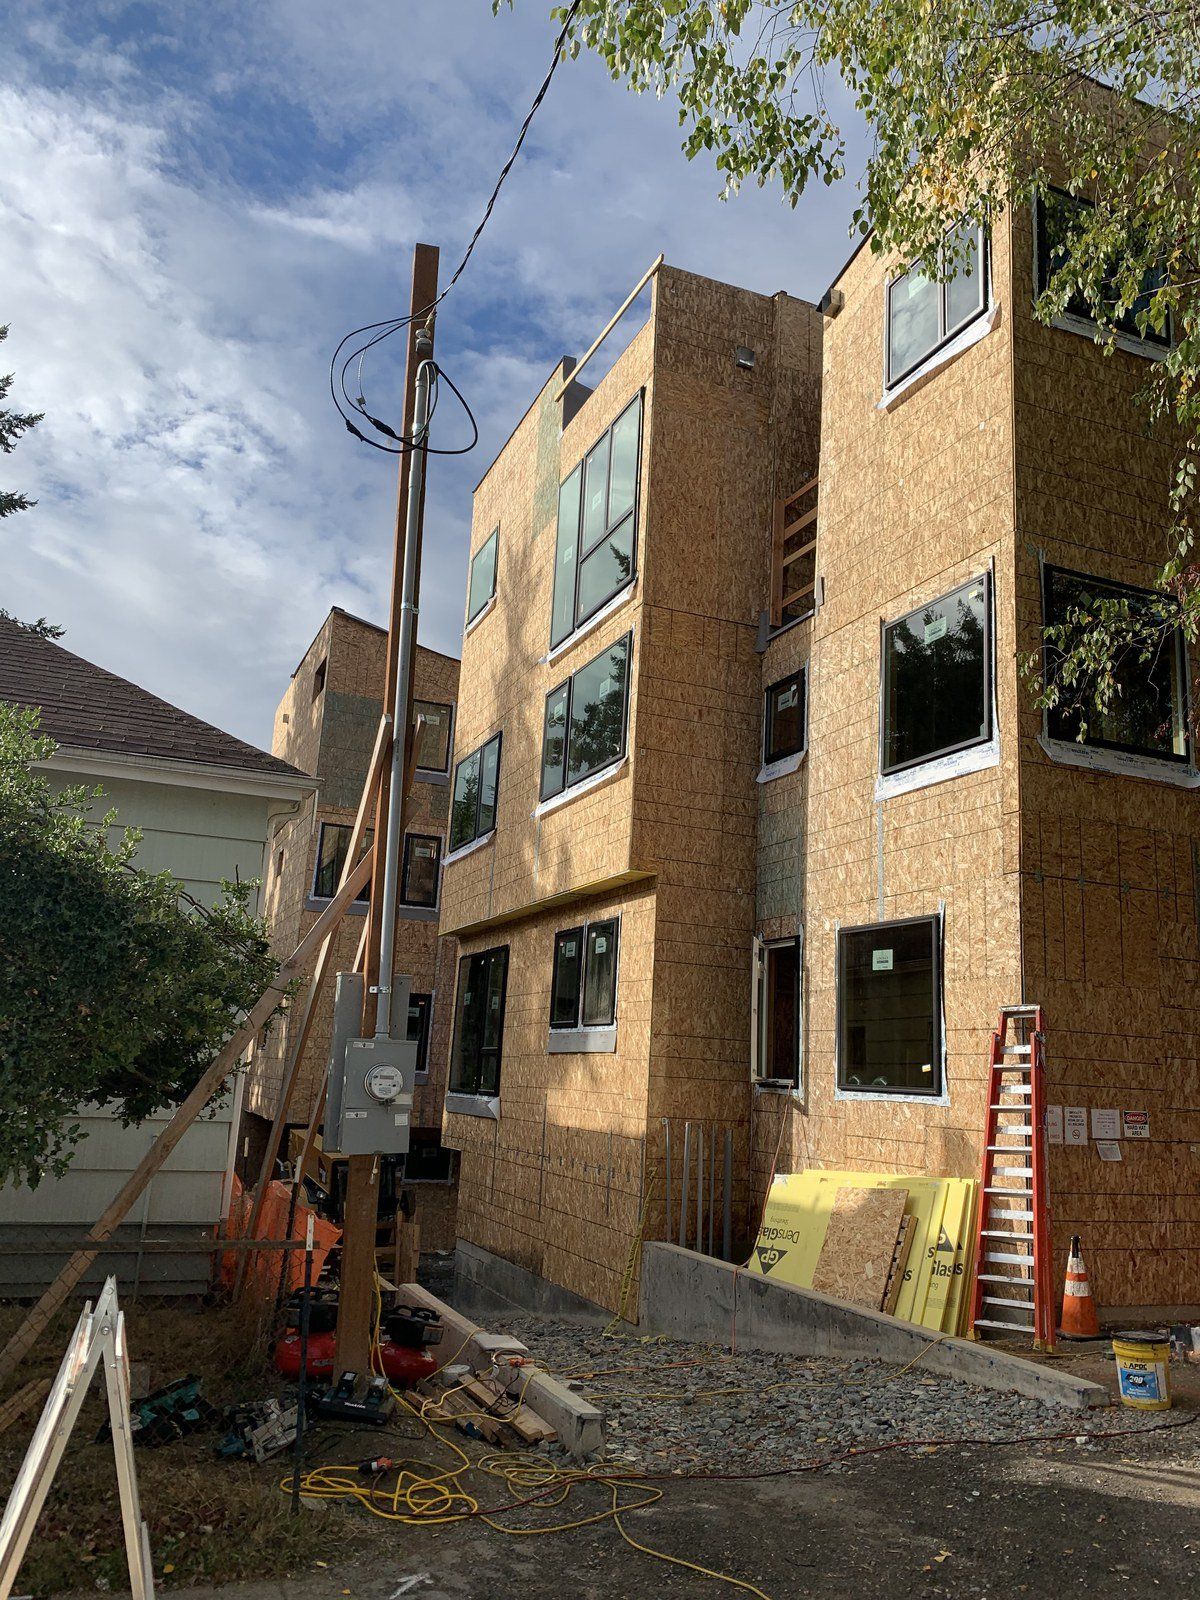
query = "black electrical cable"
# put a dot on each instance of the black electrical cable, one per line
(380, 331)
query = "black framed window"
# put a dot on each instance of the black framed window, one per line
(1057, 217)
(586, 720)
(473, 802)
(784, 718)
(889, 1008)
(937, 678)
(926, 310)
(419, 1008)
(333, 842)
(433, 741)
(479, 1022)
(318, 683)
(427, 1160)
(481, 585)
(597, 525)
(777, 1046)
(421, 869)
(1148, 714)
(583, 988)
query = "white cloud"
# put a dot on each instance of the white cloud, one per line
(173, 308)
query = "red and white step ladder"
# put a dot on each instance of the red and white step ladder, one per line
(1013, 1288)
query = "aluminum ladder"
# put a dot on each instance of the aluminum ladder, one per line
(1013, 1291)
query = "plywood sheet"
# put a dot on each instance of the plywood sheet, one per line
(933, 1291)
(859, 1244)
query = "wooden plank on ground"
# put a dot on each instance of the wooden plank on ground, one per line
(859, 1245)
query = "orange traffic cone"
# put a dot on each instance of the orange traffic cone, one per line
(1079, 1319)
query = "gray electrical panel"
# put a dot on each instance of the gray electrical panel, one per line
(369, 1099)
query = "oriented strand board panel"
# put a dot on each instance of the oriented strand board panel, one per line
(934, 1292)
(859, 1244)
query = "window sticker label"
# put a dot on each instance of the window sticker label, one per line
(936, 629)
(881, 961)
(601, 944)
(788, 699)
(569, 948)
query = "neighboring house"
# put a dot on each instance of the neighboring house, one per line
(207, 805)
(755, 825)
(327, 723)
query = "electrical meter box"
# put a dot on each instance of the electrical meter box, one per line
(370, 1095)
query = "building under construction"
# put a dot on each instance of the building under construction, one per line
(755, 824)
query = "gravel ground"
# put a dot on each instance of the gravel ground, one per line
(686, 1407)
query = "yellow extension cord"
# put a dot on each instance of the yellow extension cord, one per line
(425, 1497)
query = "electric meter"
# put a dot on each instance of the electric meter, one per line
(384, 1082)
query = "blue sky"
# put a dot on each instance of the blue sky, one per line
(197, 201)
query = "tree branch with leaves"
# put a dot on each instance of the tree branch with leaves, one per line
(12, 425)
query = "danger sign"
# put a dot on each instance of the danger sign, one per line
(1136, 1124)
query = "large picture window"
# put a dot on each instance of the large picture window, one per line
(586, 717)
(784, 718)
(479, 1022)
(937, 678)
(482, 583)
(583, 991)
(332, 844)
(1057, 216)
(597, 525)
(1148, 713)
(924, 312)
(422, 864)
(433, 741)
(473, 803)
(889, 1008)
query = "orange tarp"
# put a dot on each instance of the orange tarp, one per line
(264, 1269)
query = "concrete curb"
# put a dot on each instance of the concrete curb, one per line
(697, 1298)
(577, 1422)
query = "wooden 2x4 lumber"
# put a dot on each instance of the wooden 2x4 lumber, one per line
(609, 326)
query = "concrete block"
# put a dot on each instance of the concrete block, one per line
(694, 1297)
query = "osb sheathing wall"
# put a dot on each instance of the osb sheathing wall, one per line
(914, 500)
(1109, 886)
(332, 737)
(557, 1182)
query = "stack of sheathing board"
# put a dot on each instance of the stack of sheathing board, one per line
(937, 1275)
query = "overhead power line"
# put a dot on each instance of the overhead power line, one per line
(352, 408)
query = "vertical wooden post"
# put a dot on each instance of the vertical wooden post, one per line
(357, 1290)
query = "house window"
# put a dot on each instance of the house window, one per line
(419, 1006)
(597, 525)
(777, 1013)
(332, 845)
(427, 1159)
(1147, 714)
(482, 584)
(889, 1008)
(583, 991)
(794, 556)
(586, 717)
(1057, 220)
(419, 878)
(479, 1022)
(473, 806)
(433, 741)
(318, 687)
(784, 722)
(924, 312)
(937, 678)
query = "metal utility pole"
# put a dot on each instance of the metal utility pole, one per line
(360, 1222)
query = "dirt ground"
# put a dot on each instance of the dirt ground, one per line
(1041, 1520)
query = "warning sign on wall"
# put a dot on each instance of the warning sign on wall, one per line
(1136, 1124)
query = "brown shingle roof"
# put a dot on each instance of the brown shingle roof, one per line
(84, 707)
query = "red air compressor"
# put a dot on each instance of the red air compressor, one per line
(403, 1340)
